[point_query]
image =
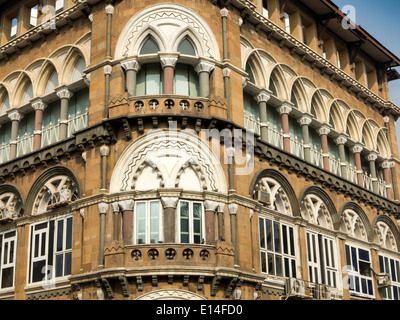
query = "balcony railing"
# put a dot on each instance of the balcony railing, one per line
(24, 144)
(78, 122)
(297, 147)
(4, 152)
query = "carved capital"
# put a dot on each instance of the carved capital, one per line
(38, 104)
(107, 69)
(233, 208)
(285, 108)
(14, 115)
(131, 65)
(357, 148)
(64, 93)
(115, 207)
(263, 97)
(341, 140)
(204, 66)
(169, 202)
(224, 12)
(126, 205)
(221, 207)
(325, 129)
(168, 60)
(372, 156)
(103, 207)
(109, 9)
(104, 151)
(210, 205)
(305, 120)
(226, 72)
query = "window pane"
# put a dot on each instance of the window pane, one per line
(284, 239)
(59, 265)
(68, 244)
(184, 209)
(67, 268)
(186, 47)
(154, 221)
(277, 237)
(150, 46)
(37, 274)
(363, 254)
(197, 210)
(263, 262)
(43, 249)
(268, 224)
(354, 258)
(261, 231)
(141, 222)
(278, 264)
(11, 258)
(291, 236)
(141, 82)
(193, 82)
(153, 79)
(60, 233)
(7, 277)
(5, 253)
(271, 269)
(182, 79)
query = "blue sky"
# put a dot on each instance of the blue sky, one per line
(381, 19)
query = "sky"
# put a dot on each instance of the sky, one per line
(381, 19)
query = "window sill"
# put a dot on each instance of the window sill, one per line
(42, 289)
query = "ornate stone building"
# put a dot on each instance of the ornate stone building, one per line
(195, 150)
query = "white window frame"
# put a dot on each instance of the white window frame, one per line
(292, 259)
(329, 263)
(353, 274)
(6, 260)
(190, 218)
(148, 221)
(388, 292)
(48, 271)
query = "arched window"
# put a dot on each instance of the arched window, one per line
(78, 107)
(251, 113)
(186, 47)
(78, 70)
(52, 83)
(149, 46)
(4, 101)
(5, 136)
(50, 123)
(25, 134)
(186, 80)
(27, 94)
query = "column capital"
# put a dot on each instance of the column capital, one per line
(126, 205)
(168, 60)
(169, 202)
(263, 96)
(109, 9)
(285, 108)
(357, 148)
(64, 93)
(221, 207)
(14, 115)
(305, 120)
(107, 69)
(104, 151)
(226, 72)
(204, 66)
(38, 104)
(324, 129)
(372, 156)
(233, 208)
(387, 164)
(103, 207)
(132, 64)
(224, 12)
(386, 119)
(341, 140)
(115, 207)
(210, 205)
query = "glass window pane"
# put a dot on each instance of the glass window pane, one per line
(261, 231)
(38, 273)
(263, 262)
(285, 239)
(68, 244)
(268, 227)
(153, 78)
(186, 47)
(291, 237)
(182, 79)
(277, 237)
(7, 277)
(150, 46)
(60, 233)
(271, 268)
(141, 81)
(294, 268)
(68, 263)
(354, 259)
(363, 254)
(154, 221)
(141, 222)
(59, 265)
(278, 265)
(193, 82)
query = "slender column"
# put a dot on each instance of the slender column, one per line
(109, 12)
(224, 15)
(284, 110)
(204, 69)
(126, 207)
(131, 68)
(305, 122)
(15, 118)
(226, 73)
(103, 207)
(323, 133)
(169, 218)
(386, 119)
(210, 208)
(230, 154)
(372, 169)
(168, 63)
(262, 99)
(341, 141)
(386, 165)
(116, 221)
(38, 105)
(64, 94)
(104, 152)
(107, 76)
(220, 211)
(357, 159)
(233, 208)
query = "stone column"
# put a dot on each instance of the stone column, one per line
(305, 122)
(126, 207)
(204, 69)
(116, 221)
(220, 211)
(15, 118)
(323, 133)
(226, 73)
(341, 141)
(169, 218)
(131, 68)
(104, 153)
(372, 169)
(64, 94)
(168, 63)
(233, 208)
(103, 207)
(107, 76)
(109, 12)
(210, 208)
(284, 110)
(386, 165)
(262, 99)
(38, 105)
(357, 159)
(224, 15)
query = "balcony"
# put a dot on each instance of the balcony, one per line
(297, 147)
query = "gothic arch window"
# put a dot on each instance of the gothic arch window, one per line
(385, 236)
(52, 82)
(149, 46)
(186, 47)
(4, 101)
(11, 206)
(279, 200)
(314, 210)
(352, 224)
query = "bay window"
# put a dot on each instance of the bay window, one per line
(148, 222)
(150, 80)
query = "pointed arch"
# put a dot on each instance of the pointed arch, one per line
(150, 45)
(369, 132)
(73, 66)
(47, 79)
(4, 99)
(280, 81)
(186, 46)
(337, 115)
(382, 143)
(255, 70)
(386, 232)
(355, 223)
(11, 201)
(300, 94)
(354, 122)
(23, 90)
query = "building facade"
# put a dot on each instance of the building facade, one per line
(224, 149)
